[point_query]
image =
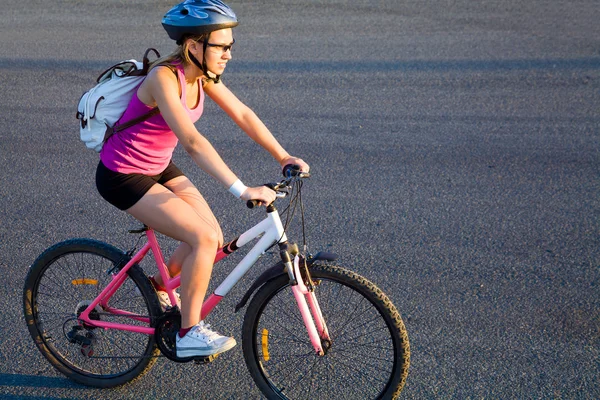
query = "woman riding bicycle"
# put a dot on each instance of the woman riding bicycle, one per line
(136, 173)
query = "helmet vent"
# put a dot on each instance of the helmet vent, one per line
(185, 11)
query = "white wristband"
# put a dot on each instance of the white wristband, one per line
(237, 188)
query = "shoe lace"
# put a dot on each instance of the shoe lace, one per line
(204, 330)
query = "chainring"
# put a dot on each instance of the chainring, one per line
(165, 335)
(167, 327)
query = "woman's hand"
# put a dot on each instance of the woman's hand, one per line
(263, 194)
(295, 161)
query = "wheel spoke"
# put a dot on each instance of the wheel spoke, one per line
(366, 336)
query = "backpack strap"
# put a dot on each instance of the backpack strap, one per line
(111, 130)
(145, 63)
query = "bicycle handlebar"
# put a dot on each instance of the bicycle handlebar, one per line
(291, 172)
(252, 203)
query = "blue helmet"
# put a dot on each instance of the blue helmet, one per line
(195, 17)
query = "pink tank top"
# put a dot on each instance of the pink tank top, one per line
(146, 148)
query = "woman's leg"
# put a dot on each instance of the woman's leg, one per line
(166, 212)
(185, 190)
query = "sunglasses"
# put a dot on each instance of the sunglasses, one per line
(223, 47)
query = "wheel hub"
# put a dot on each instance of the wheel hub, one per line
(94, 314)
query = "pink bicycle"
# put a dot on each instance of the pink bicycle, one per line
(311, 329)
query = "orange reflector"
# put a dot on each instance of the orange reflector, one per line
(265, 344)
(84, 281)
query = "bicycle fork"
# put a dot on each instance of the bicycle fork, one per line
(309, 308)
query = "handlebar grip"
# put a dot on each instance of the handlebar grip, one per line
(291, 170)
(252, 203)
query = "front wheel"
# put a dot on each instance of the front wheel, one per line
(369, 353)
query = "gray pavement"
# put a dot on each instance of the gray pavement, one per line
(455, 152)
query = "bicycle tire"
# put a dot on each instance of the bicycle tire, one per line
(61, 283)
(364, 327)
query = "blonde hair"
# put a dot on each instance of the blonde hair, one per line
(181, 54)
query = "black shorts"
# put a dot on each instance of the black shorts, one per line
(124, 190)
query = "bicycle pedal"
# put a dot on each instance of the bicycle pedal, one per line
(204, 359)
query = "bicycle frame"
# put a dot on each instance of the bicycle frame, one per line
(272, 232)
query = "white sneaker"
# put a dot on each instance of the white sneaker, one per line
(163, 298)
(165, 302)
(201, 341)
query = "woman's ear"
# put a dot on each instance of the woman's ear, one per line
(195, 47)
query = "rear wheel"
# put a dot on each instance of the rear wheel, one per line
(61, 284)
(369, 353)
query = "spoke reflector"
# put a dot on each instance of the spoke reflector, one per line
(265, 344)
(84, 281)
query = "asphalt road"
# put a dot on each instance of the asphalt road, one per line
(455, 152)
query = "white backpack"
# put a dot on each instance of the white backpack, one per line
(103, 105)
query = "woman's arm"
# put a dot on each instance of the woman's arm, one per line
(162, 88)
(250, 123)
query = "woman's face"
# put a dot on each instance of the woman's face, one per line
(218, 50)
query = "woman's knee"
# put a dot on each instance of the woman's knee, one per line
(205, 239)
